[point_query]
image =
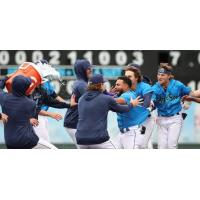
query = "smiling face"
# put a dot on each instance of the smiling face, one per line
(120, 86)
(163, 79)
(123, 84)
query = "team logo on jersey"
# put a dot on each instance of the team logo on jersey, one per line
(167, 98)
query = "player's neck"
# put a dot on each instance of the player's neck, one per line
(165, 85)
(134, 86)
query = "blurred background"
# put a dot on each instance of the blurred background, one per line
(111, 63)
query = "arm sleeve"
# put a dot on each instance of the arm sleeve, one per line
(2, 86)
(49, 101)
(53, 95)
(115, 107)
(185, 90)
(79, 91)
(35, 110)
(147, 99)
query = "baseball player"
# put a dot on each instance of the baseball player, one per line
(93, 108)
(41, 128)
(167, 99)
(83, 72)
(44, 99)
(130, 123)
(18, 131)
(141, 86)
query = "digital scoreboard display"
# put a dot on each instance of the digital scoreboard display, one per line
(110, 63)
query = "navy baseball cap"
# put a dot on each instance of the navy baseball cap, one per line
(96, 79)
(133, 65)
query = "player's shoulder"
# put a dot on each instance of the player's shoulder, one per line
(129, 94)
(155, 86)
(177, 83)
(80, 85)
(145, 86)
(47, 85)
(30, 102)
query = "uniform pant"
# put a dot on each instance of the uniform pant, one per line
(169, 129)
(71, 133)
(42, 130)
(105, 145)
(42, 144)
(149, 124)
(132, 139)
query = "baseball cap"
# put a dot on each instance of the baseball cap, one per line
(133, 65)
(96, 79)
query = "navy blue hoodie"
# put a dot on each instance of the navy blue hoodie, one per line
(18, 131)
(79, 88)
(93, 108)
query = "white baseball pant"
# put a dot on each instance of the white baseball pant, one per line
(132, 139)
(149, 124)
(42, 130)
(71, 133)
(105, 145)
(42, 144)
(169, 130)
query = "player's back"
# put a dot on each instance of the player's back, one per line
(18, 131)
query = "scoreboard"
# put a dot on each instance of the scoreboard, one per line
(108, 62)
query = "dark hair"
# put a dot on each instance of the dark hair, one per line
(95, 87)
(136, 72)
(126, 80)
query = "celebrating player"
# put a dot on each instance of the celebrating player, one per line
(130, 123)
(45, 97)
(18, 131)
(167, 99)
(93, 108)
(83, 72)
(141, 86)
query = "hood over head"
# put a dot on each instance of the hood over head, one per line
(20, 84)
(80, 68)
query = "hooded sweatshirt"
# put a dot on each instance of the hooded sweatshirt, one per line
(18, 131)
(79, 88)
(93, 108)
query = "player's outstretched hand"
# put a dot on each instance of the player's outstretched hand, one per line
(136, 102)
(34, 122)
(73, 101)
(187, 98)
(56, 116)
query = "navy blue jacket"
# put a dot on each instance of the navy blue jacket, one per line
(41, 97)
(79, 88)
(93, 108)
(18, 131)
